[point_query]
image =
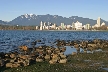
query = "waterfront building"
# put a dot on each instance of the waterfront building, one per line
(41, 25)
(103, 24)
(44, 27)
(96, 25)
(57, 28)
(87, 26)
(84, 26)
(93, 26)
(68, 27)
(37, 27)
(54, 26)
(65, 26)
(48, 25)
(73, 26)
(98, 22)
(62, 26)
(78, 25)
(45, 24)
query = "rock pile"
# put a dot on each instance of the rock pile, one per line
(26, 56)
(38, 54)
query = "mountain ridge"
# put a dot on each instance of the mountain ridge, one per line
(3, 22)
(33, 19)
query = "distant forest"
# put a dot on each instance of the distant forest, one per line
(9, 27)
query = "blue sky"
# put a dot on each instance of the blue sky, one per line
(10, 9)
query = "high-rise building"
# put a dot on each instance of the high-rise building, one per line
(98, 21)
(45, 24)
(48, 25)
(87, 26)
(41, 25)
(54, 26)
(62, 26)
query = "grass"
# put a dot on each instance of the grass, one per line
(82, 62)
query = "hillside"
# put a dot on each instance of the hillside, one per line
(3, 22)
(32, 20)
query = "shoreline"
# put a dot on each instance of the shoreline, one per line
(55, 30)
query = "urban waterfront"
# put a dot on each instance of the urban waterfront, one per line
(53, 36)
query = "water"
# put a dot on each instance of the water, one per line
(10, 40)
(69, 50)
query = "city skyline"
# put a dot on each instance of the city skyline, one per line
(74, 26)
(87, 9)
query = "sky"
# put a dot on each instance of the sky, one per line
(10, 9)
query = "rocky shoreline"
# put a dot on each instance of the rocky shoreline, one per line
(25, 56)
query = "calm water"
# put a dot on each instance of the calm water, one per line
(10, 40)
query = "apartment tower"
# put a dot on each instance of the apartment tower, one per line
(98, 21)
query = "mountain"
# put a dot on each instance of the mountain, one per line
(32, 19)
(3, 22)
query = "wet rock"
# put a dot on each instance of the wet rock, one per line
(62, 60)
(53, 61)
(47, 57)
(8, 65)
(12, 65)
(74, 53)
(39, 59)
(62, 56)
(2, 62)
(24, 48)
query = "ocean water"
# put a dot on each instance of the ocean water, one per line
(12, 39)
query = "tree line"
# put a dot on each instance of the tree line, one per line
(9, 27)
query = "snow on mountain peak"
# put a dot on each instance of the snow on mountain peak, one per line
(6, 21)
(31, 14)
(26, 15)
